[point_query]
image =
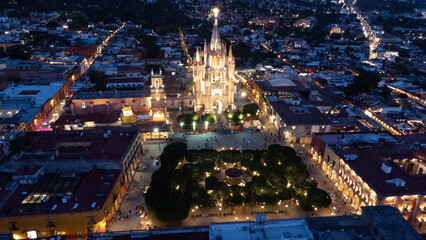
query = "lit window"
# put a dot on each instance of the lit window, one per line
(143, 103)
(31, 234)
(83, 105)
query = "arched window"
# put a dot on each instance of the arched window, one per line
(83, 105)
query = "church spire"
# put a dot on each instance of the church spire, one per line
(230, 57)
(197, 56)
(215, 40)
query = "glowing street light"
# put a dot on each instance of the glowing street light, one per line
(181, 125)
(193, 125)
(155, 132)
(243, 94)
(206, 124)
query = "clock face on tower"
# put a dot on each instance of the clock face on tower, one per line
(213, 73)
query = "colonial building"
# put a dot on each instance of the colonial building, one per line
(372, 169)
(213, 73)
(69, 182)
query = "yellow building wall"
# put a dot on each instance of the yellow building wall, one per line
(66, 223)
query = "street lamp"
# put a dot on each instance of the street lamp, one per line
(155, 130)
(193, 125)
(181, 125)
(206, 124)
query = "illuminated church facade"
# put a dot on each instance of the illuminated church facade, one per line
(213, 74)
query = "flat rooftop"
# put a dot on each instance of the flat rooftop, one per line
(339, 227)
(270, 229)
(390, 223)
(282, 82)
(349, 138)
(53, 194)
(40, 94)
(112, 94)
(303, 114)
(83, 43)
(66, 119)
(86, 144)
(386, 219)
(182, 233)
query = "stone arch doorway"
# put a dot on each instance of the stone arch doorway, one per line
(217, 106)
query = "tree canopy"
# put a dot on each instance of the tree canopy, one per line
(97, 78)
(277, 174)
(250, 109)
(364, 82)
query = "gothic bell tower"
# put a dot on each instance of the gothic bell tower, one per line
(158, 97)
(213, 74)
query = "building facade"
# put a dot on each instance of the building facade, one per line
(374, 169)
(79, 192)
(213, 74)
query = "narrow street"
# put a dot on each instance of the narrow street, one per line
(58, 108)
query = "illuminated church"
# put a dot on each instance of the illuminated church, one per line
(213, 73)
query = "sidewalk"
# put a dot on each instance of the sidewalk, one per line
(315, 172)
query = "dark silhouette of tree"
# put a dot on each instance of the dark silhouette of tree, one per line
(19, 52)
(97, 78)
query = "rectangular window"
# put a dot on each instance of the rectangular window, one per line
(51, 223)
(13, 226)
(79, 233)
(143, 103)
(31, 234)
